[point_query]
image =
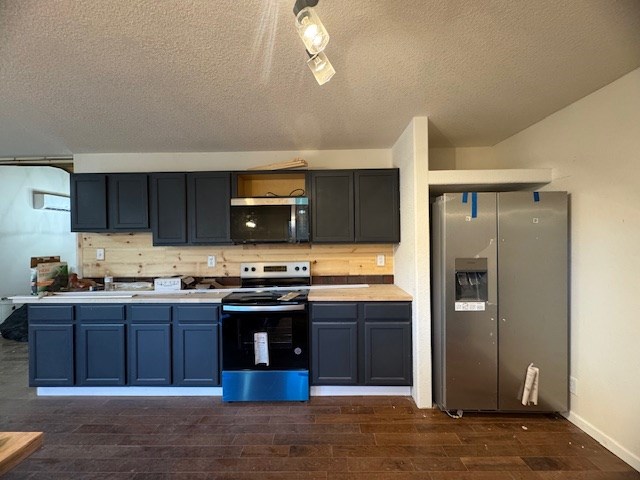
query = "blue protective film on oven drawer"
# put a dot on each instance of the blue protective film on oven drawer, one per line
(265, 385)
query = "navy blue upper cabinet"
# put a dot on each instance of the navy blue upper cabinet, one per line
(332, 206)
(209, 197)
(377, 206)
(88, 202)
(190, 208)
(109, 202)
(356, 206)
(128, 201)
(169, 208)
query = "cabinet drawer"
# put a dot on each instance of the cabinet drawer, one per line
(387, 311)
(197, 313)
(149, 313)
(100, 312)
(50, 312)
(334, 311)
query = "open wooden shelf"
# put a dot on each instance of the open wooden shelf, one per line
(281, 184)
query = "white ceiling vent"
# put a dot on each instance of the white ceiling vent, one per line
(50, 201)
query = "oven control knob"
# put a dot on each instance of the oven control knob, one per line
(297, 268)
(253, 269)
(304, 268)
(297, 351)
(246, 269)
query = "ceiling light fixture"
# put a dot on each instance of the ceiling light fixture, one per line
(311, 30)
(315, 39)
(321, 68)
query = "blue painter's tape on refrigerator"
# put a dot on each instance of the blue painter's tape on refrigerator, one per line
(465, 197)
(474, 204)
(536, 196)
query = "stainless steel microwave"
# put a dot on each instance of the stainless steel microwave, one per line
(270, 220)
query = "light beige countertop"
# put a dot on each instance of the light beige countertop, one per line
(320, 293)
(370, 293)
(123, 297)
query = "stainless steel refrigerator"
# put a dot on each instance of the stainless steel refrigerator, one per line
(500, 300)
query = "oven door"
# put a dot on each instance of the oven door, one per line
(274, 337)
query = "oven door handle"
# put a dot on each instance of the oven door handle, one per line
(263, 308)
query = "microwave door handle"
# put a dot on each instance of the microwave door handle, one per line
(292, 225)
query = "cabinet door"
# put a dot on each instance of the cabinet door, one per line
(387, 350)
(334, 353)
(377, 206)
(50, 355)
(387, 353)
(149, 359)
(128, 202)
(88, 202)
(168, 208)
(100, 358)
(196, 354)
(209, 203)
(332, 206)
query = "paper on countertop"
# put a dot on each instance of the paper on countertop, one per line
(261, 348)
(530, 392)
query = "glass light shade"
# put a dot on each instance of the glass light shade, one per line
(321, 68)
(311, 30)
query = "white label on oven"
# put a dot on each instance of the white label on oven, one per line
(261, 348)
(470, 306)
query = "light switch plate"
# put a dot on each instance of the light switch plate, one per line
(99, 253)
(380, 260)
(211, 261)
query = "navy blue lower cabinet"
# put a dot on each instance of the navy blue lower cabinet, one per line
(51, 355)
(361, 343)
(100, 355)
(196, 355)
(149, 354)
(334, 353)
(387, 353)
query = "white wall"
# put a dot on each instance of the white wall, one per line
(462, 158)
(212, 161)
(594, 147)
(411, 156)
(25, 232)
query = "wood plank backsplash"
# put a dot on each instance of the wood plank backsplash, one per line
(133, 255)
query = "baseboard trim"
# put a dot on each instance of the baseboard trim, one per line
(130, 391)
(337, 391)
(317, 391)
(605, 440)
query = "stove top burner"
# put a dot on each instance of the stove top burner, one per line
(275, 297)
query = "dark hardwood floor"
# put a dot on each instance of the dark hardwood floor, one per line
(328, 438)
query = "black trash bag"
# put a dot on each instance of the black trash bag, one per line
(16, 326)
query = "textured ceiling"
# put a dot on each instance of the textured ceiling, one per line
(228, 75)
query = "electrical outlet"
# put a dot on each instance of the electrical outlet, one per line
(380, 260)
(211, 261)
(573, 386)
(99, 253)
